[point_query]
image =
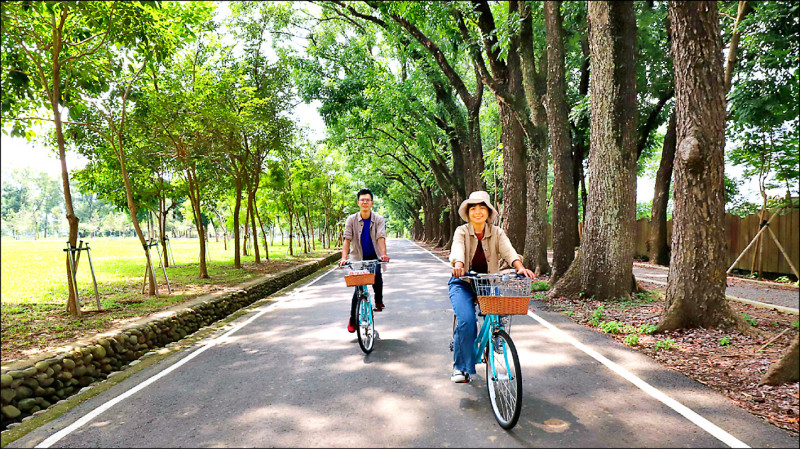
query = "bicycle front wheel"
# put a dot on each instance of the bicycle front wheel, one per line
(366, 324)
(504, 379)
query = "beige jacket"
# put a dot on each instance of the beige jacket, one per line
(496, 246)
(352, 231)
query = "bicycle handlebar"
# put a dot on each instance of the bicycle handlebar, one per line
(362, 262)
(475, 275)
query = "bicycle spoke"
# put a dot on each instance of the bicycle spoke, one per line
(503, 379)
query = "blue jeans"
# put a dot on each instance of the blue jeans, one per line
(462, 296)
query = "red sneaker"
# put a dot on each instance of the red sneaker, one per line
(350, 327)
(378, 307)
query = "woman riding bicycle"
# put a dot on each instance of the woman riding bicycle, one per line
(477, 246)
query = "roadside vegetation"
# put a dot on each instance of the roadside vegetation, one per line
(34, 317)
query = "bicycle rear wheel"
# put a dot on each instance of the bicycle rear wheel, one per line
(504, 379)
(366, 324)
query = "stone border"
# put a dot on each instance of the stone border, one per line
(28, 387)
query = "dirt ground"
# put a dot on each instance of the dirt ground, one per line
(729, 362)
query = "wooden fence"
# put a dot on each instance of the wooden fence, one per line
(739, 232)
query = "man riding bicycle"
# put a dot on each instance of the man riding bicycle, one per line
(478, 246)
(364, 238)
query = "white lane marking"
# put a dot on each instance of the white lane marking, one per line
(96, 412)
(686, 412)
(701, 422)
(426, 250)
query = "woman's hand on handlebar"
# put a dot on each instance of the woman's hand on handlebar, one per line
(527, 273)
(342, 262)
(521, 270)
(458, 269)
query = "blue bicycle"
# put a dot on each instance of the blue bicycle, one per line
(361, 274)
(500, 296)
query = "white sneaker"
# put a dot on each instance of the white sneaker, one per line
(459, 377)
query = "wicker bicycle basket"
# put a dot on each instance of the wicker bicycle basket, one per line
(361, 273)
(504, 305)
(354, 280)
(503, 295)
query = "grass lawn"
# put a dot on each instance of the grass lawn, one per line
(34, 286)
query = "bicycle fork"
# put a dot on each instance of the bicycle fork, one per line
(491, 324)
(366, 305)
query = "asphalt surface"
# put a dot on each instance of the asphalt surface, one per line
(294, 377)
(779, 295)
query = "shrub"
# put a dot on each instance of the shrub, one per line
(632, 339)
(725, 341)
(647, 328)
(539, 286)
(665, 344)
(750, 319)
(597, 315)
(611, 327)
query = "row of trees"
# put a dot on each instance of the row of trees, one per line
(166, 113)
(558, 107)
(553, 108)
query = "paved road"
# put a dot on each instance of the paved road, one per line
(294, 377)
(784, 296)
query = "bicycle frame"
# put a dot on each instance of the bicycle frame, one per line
(491, 323)
(362, 289)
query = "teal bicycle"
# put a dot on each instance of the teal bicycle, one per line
(499, 297)
(361, 274)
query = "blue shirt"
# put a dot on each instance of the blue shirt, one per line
(366, 241)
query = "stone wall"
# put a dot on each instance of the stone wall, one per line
(25, 390)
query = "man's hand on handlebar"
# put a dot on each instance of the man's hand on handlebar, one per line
(342, 262)
(384, 258)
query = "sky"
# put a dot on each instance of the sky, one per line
(16, 152)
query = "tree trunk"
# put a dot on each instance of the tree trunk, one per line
(291, 234)
(565, 207)
(743, 10)
(532, 88)
(251, 194)
(132, 208)
(237, 206)
(72, 300)
(263, 232)
(194, 199)
(162, 226)
(787, 369)
(606, 262)
(535, 254)
(475, 166)
(696, 280)
(515, 188)
(657, 243)
(301, 231)
(246, 230)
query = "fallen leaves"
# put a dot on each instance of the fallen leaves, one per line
(734, 370)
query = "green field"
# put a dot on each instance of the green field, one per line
(34, 271)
